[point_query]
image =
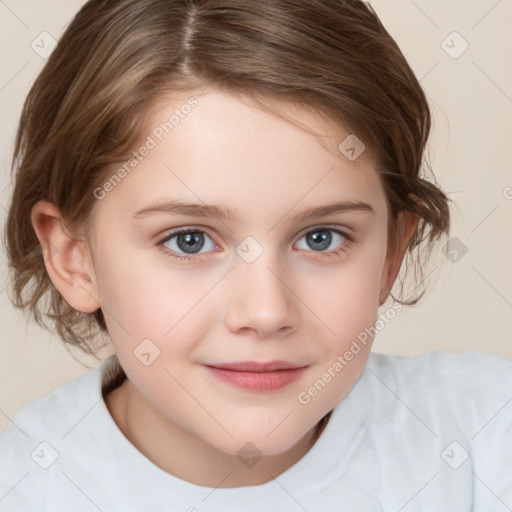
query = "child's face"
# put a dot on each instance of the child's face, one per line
(255, 288)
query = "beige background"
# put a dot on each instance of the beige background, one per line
(469, 304)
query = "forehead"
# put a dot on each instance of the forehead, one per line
(219, 148)
(249, 110)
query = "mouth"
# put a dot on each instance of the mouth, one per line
(257, 376)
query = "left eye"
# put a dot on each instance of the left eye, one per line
(189, 242)
(321, 239)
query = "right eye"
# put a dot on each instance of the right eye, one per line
(186, 242)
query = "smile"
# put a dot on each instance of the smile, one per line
(254, 376)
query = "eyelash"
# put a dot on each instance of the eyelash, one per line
(334, 253)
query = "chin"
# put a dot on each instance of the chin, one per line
(259, 443)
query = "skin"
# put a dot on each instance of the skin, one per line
(294, 302)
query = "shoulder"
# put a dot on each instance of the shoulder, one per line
(453, 412)
(62, 406)
(481, 367)
(468, 395)
(461, 381)
(442, 372)
(31, 443)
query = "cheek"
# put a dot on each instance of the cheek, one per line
(348, 309)
(151, 301)
(347, 299)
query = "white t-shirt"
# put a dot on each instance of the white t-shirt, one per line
(431, 434)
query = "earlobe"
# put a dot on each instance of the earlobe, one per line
(66, 259)
(406, 224)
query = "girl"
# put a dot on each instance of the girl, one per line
(225, 192)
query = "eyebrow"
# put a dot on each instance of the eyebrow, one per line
(224, 213)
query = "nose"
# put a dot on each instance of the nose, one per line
(261, 300)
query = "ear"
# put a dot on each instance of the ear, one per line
(406, 224)
(67, 260)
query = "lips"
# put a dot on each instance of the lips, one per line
(254, 366)
(257, 376)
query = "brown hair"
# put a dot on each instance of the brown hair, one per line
(83, 112)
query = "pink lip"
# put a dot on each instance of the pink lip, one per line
(256, 376)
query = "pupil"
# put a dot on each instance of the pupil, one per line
(189, 242)
(323, 238)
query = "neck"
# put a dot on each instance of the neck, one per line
(183, 455)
